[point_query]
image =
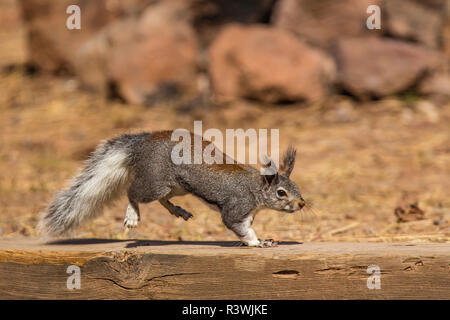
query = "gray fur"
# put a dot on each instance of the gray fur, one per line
(237, 190)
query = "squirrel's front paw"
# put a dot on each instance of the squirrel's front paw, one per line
(261, 243)
(268, 243)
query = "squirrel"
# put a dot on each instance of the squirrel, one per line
(141, 165)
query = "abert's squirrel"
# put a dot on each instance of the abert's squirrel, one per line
(141, 165)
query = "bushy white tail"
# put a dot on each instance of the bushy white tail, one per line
(105, 177)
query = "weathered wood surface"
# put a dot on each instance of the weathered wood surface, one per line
(139, 269)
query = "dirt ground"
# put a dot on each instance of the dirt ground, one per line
(356, 162)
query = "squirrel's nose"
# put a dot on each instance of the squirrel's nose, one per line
(301, 203)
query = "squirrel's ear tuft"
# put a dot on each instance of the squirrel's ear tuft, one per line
(289, 161)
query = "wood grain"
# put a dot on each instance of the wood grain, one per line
(141, 269)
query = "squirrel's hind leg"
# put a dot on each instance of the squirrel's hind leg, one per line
(132, 216)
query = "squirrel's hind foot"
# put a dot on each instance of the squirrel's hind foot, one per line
(131, 218)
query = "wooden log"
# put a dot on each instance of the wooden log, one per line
(141, 269)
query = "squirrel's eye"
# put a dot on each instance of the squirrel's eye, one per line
(281, 193)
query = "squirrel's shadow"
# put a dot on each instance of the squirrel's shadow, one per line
(134, 243)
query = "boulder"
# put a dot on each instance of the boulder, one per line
(373, 66)
(437, 84)
(267, 64)
(419, 21)
(324, 22)
(446, 32)
(142, 56)
(51, 46)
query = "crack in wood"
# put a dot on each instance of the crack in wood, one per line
(147, 281)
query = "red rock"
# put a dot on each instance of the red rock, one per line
(436, 84)
(325, 21)
(420, 21)
(51, 45)
(140, 56)
(380, 67)
(267, 64)
(446, 33)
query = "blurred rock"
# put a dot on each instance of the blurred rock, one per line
(446, 32)
(143, 58)
(51, 46)
(418, 20)
(323, 22)
(267, 64)
(436, 84)
(150, 50)
(375, 67)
